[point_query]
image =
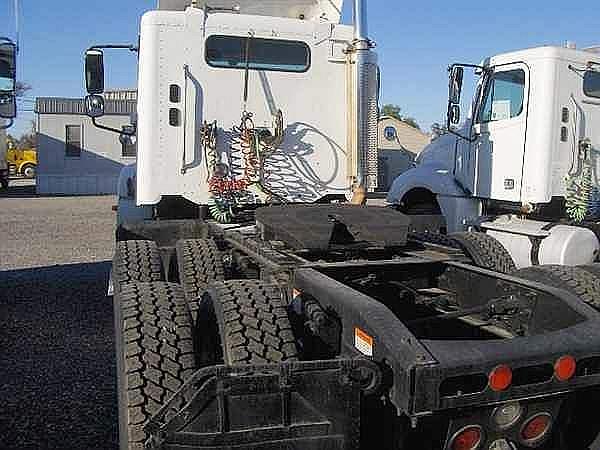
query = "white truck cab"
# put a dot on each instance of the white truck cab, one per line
(528, 150)
(248, 103)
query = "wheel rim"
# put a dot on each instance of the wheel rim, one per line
(29, 172)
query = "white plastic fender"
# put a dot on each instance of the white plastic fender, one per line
(458, 209)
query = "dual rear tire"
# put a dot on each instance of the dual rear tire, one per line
(166, 331)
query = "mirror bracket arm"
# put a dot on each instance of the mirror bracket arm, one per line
(468, 139)
(130, 47)
(471, 66)
(114, 130)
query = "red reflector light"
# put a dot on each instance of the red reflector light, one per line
(564, 368)
(468, 438)
(500, 378)
(536, 428)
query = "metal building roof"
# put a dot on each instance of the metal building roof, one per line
(60, 105)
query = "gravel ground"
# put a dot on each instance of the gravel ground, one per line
(57, 380)
(58, 366)
(40, 232)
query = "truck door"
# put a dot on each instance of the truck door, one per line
(591, 118)
(499, 128)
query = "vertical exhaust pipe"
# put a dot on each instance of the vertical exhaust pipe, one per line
(361, 31)
(367, 109)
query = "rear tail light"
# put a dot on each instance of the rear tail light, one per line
(469, 438)
(500, 378)
(564, 368)
(536, 429)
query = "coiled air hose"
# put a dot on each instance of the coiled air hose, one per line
(582, 197)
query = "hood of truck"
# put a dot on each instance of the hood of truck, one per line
(439, 153)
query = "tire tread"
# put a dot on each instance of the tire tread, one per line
(200, 263)
(253, 322)
(136, 261)
(156, 350)
(575, 280)
(485, 251)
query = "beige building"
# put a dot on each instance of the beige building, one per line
(74, 156)
(399, 145)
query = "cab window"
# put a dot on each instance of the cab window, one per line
(503, 98)
(591, 84)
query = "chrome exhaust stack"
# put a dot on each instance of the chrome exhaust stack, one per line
(367, 108)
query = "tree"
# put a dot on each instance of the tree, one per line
(21, 87)
(394, 111)
(27, 140)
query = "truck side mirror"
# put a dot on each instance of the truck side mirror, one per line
(8, 80)
(94, 71)
(455, 84)
(94, 106)
(8, 106)
(453, 115)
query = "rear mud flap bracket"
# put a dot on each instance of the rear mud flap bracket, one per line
(296, 405)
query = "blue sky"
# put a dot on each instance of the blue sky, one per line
(416, 41)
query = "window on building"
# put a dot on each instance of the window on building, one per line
(504, 94)
(73, 141)
(390, 133)
(591, 84)
(263, 54)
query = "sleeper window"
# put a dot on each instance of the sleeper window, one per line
(233, 52)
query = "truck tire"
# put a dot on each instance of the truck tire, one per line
(28, 171)
(136, 261)
(575, 280)
(594, 269)
(252, 321)
(155, 353)
(200, 263)
(485, 251)
(434, 238)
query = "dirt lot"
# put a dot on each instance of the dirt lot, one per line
(57, 371)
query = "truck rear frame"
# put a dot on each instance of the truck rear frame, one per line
(394, 334)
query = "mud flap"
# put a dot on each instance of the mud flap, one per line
(298, 405)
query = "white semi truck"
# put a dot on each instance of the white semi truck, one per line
(259, 304)
(8, 110)
(524, 165)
